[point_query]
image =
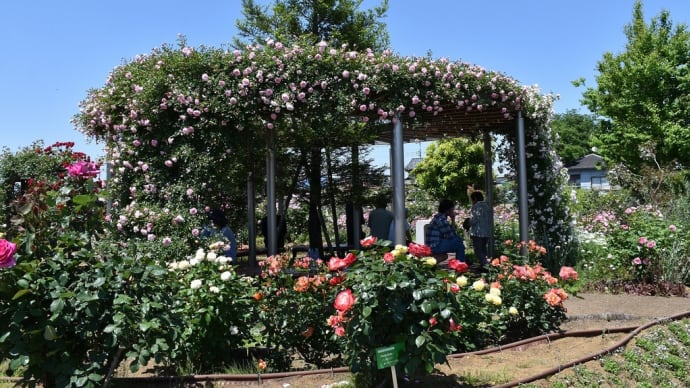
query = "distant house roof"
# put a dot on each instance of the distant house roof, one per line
(587, 162)
(412, 164)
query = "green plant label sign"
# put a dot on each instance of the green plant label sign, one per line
(388, 355)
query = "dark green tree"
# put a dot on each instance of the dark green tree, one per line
(449, 167)
(643, 94)
(338, 22)
(574, 133)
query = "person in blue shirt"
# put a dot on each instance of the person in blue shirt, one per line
(220, 229)
(441, 234)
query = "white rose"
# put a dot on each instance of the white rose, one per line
(196, 283)
(214, 289)
(225, 276)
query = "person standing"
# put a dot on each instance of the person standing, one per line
(380, 220)
(441, 235)
(480, 227)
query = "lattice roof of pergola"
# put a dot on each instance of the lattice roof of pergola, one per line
(449, 123)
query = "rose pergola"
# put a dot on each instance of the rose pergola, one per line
(169, 118)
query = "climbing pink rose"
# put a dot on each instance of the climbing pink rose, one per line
(82, 169)
(7, 250)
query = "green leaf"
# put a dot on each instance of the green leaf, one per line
(23, 283)
(99, 282)
(445, 313)
(83, 199)
(419, 341)
(417, 295)
(56, 306)
(95, 377)
(428, 307)
(366, 311)
(21, 293)
(143, 326)
(109, 328)
(49, 333)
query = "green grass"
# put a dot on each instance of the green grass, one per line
(658, 357)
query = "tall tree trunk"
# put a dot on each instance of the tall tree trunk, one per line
(315, 238)
(331, 197)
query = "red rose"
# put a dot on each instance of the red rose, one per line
(344, 300)
(367, 242)
(350, 258)
(458, 265)
(433, 321)
(7, 250)
(336, 263)
(454, 326)
(419, 250)
(335, 280)
(388, 257)
(454, 288)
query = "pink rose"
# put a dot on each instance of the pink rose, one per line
(82, 169)
(7, 250)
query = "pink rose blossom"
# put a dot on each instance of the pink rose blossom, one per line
(672, 228)
(651, 244)
(642, 240)
(637, 261)
(83, 169)
(7, 250)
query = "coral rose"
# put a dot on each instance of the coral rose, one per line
(344, 300)
(368, 242)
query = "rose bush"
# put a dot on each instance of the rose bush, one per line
(292, 303)
(76, 302)
(396, 294)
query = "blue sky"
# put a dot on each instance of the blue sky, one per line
(54, 51)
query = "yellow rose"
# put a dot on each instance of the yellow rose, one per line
(494, 299)
(479, 285)
(430, 261)
(461, 280)
(495, 291)
(401, 248)
(512, 311)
